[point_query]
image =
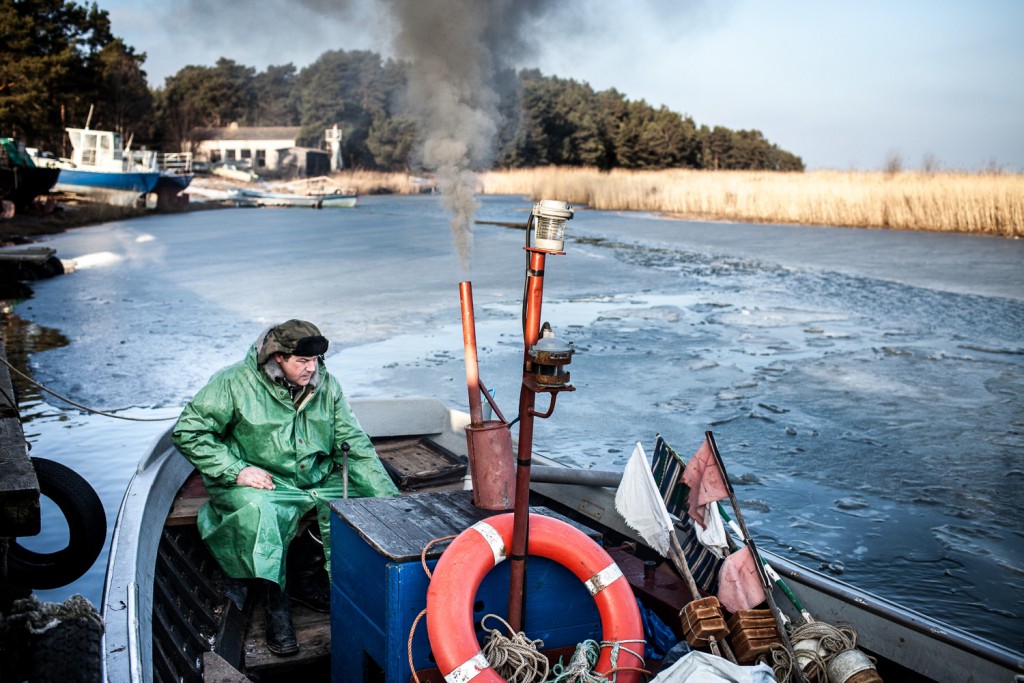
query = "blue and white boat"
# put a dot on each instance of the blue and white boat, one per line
(101, 167)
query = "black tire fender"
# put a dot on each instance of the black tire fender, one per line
(87, 530)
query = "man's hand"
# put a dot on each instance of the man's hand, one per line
(255, 477)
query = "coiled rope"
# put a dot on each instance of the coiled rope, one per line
(78, 405)
(831, 640)
(37, 617)
(515, 657)
(580, 667)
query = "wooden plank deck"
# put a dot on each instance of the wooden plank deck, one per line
(313, 629)
(186, 504)
(19, 487)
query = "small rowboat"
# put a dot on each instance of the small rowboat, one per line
(170, 615)
(246, 197)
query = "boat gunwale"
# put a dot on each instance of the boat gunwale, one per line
(152, 494)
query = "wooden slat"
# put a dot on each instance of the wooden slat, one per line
(312, 628)
(19, 487)
(216, 670)
(399, 528)
(426, 459)
(188, 501)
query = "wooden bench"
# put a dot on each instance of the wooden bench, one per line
(186, 504)
(416, 463)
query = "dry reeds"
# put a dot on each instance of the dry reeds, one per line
(983, 203)
(373, 182)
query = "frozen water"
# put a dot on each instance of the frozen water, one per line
(866, 388)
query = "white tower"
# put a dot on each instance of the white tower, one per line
(333, 137)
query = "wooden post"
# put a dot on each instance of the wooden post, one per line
(766, 583)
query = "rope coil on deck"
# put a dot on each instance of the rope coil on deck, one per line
(824, 642)
(515, 657)
(579, 668)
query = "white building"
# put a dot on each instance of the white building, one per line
(265, 147)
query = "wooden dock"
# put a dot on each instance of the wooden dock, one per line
(29, 263)
(19, 488)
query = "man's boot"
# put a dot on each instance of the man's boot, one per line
(307, 577)
(281, 638)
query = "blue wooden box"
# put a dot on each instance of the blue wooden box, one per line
(378, 586)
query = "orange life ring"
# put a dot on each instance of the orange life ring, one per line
(479, 548)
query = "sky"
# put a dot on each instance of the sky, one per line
(844, 85)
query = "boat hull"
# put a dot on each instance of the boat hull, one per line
(914, 646)
(173, 182)
(169, 189)
(25, 183)
(280, 199)
(122, 189)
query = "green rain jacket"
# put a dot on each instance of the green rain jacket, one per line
(242, 417)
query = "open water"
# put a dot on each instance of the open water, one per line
(866, 388)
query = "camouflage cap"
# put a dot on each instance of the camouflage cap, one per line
(296, 337)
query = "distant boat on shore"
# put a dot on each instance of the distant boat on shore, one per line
(21, 180)
(101, 167)
(234, 171)
(246, 197)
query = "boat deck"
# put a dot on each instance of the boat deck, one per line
(248, 653)
(417, 463)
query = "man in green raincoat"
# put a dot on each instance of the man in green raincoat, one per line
(266, 433)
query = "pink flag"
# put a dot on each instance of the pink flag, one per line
(739, 586)
(705, 480)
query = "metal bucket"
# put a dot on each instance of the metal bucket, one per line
(809, 655)
(491, 465)
(852, 666)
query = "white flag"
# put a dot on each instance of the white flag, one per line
(639, 502)
(713, 534)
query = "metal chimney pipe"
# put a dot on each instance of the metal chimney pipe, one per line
(469, 342)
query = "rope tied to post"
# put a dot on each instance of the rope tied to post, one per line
(580, 667)
(78, 405)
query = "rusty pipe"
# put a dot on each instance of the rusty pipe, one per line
(469, 342)
(489, 443)
(527, 400)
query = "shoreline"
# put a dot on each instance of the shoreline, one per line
(210, 193)
(30, 228)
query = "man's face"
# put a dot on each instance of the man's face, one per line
(298, 369)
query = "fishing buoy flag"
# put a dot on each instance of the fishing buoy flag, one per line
(639, 502)
(706, 482)
(739, 586)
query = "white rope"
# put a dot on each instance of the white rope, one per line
(617, 646)
(580, 668)
(515, 657)
(580, 665)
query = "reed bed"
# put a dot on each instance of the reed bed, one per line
(982, 203)
(373, 182)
